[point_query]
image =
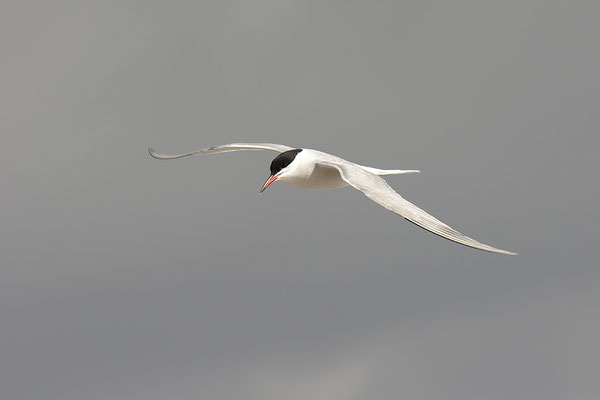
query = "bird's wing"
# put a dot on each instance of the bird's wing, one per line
(377, 189)
(224, 149)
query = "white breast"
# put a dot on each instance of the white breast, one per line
(307, 173)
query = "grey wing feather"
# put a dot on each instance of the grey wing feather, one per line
(224, 149)
(377, 189)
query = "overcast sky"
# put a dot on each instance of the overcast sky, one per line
(124, 277)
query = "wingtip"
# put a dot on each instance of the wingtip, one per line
(152, 152)
(509, 253)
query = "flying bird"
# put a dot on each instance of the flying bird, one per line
(312, 169)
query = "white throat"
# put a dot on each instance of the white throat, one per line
(305, 172)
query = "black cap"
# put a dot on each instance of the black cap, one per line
(283, 160)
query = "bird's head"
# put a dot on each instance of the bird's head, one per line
(280, 166)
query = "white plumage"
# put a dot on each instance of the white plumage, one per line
(312, 169)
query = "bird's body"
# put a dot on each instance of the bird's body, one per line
(307, 173)
(313, 169)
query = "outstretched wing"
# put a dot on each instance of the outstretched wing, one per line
(377, 189)
(224, 149)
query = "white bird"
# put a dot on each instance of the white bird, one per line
(312, 169)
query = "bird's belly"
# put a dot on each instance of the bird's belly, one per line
(322, 177)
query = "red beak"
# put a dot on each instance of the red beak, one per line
(270, 179)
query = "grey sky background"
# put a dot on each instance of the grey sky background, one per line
(124, 277)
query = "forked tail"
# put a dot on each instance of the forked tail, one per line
(377, 171)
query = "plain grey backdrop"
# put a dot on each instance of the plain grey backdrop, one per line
(124, 277)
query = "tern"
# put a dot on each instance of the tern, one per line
(313, 169)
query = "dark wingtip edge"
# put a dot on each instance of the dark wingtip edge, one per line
(152, 152)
